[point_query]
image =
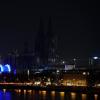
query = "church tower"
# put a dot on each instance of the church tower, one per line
(45, 44)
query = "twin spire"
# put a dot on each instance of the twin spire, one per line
(43, 43)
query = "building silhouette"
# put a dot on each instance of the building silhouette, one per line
(40, 45)
(25, 59)
(45, 45)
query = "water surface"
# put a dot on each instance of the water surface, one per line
(45, 95)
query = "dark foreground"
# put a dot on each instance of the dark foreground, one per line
(26, 92)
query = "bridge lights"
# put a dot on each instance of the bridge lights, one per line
(5, 68)
(8, 68)
(1, 68)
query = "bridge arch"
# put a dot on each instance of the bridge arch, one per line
(1, 68)
(7, 68)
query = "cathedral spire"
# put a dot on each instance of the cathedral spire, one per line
(40, 43)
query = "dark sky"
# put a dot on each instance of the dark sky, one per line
(77, 25)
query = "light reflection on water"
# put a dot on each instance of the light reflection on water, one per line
(53, 95)
(73, 96)
(96, 97)
(5, 95)
(62, 95)
(84, 96)
(43, 95)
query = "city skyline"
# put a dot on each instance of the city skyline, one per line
(50, 50)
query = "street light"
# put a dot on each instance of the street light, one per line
(91, 60)
(74, 62)
(95, 58)
(28, 73)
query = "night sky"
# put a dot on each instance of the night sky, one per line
(77, 25)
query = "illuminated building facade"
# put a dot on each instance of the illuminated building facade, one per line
(74, 79)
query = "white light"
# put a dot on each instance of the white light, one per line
(95, 58)
(98, 85)
(63, 62)
(28, 72)
(48, 83)
(37, 83)
(1, 68)
(58, 71)
(84, 73)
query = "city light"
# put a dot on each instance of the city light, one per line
(84, 73)
(95, 58)
(5, 68)
(1, 68)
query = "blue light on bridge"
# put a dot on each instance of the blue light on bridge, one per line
(5, 68)
(1, 68)
(15, 72)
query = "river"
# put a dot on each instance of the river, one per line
(45, 95)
